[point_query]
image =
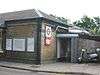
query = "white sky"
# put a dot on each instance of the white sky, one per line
(73, 9)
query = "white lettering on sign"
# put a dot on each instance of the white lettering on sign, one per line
(48, 31)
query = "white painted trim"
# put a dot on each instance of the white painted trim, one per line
(67, 35)
(38, 12)
(78, 31)
(61, 27)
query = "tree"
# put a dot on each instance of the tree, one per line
(62, 19)
(97, 21)
(90, 24)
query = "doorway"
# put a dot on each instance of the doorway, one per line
(64, 49)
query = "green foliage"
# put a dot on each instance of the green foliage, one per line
(98, 32)
(90, 24)
(64, 20)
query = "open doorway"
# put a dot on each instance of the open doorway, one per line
(64, 49)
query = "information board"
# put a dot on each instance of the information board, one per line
(30, 44)
(18, 44)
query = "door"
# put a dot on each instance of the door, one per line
(63, 49)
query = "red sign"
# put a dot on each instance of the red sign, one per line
(48, 36)
(47, 41)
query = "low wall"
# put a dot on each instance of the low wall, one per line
(88, 44)
(80, 44)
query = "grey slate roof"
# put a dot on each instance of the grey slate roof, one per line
(27, 14)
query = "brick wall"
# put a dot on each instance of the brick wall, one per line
(48, 53)
(78, 44)
(22, 30)
(88, 44)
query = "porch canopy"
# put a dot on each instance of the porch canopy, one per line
(67, 35)
(73, 33)
(90, 37)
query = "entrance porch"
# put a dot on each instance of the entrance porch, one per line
(67, 50)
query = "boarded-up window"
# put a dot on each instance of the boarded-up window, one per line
(18, 44)
(30, 44)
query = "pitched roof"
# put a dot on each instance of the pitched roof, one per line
(27, 14)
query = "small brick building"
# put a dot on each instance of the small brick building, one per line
(31, 36)
(24, 38)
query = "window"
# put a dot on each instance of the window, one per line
(30, 44)
(18, 44)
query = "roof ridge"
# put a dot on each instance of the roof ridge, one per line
(39, 13)
(27, 14)
(16, 11)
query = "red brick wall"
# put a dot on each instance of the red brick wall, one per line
(48, 53)
(22, 30)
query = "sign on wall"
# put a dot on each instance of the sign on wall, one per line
(18, 44)
(48, 35)
(30, 44)
(48, 41)
(48, 32)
